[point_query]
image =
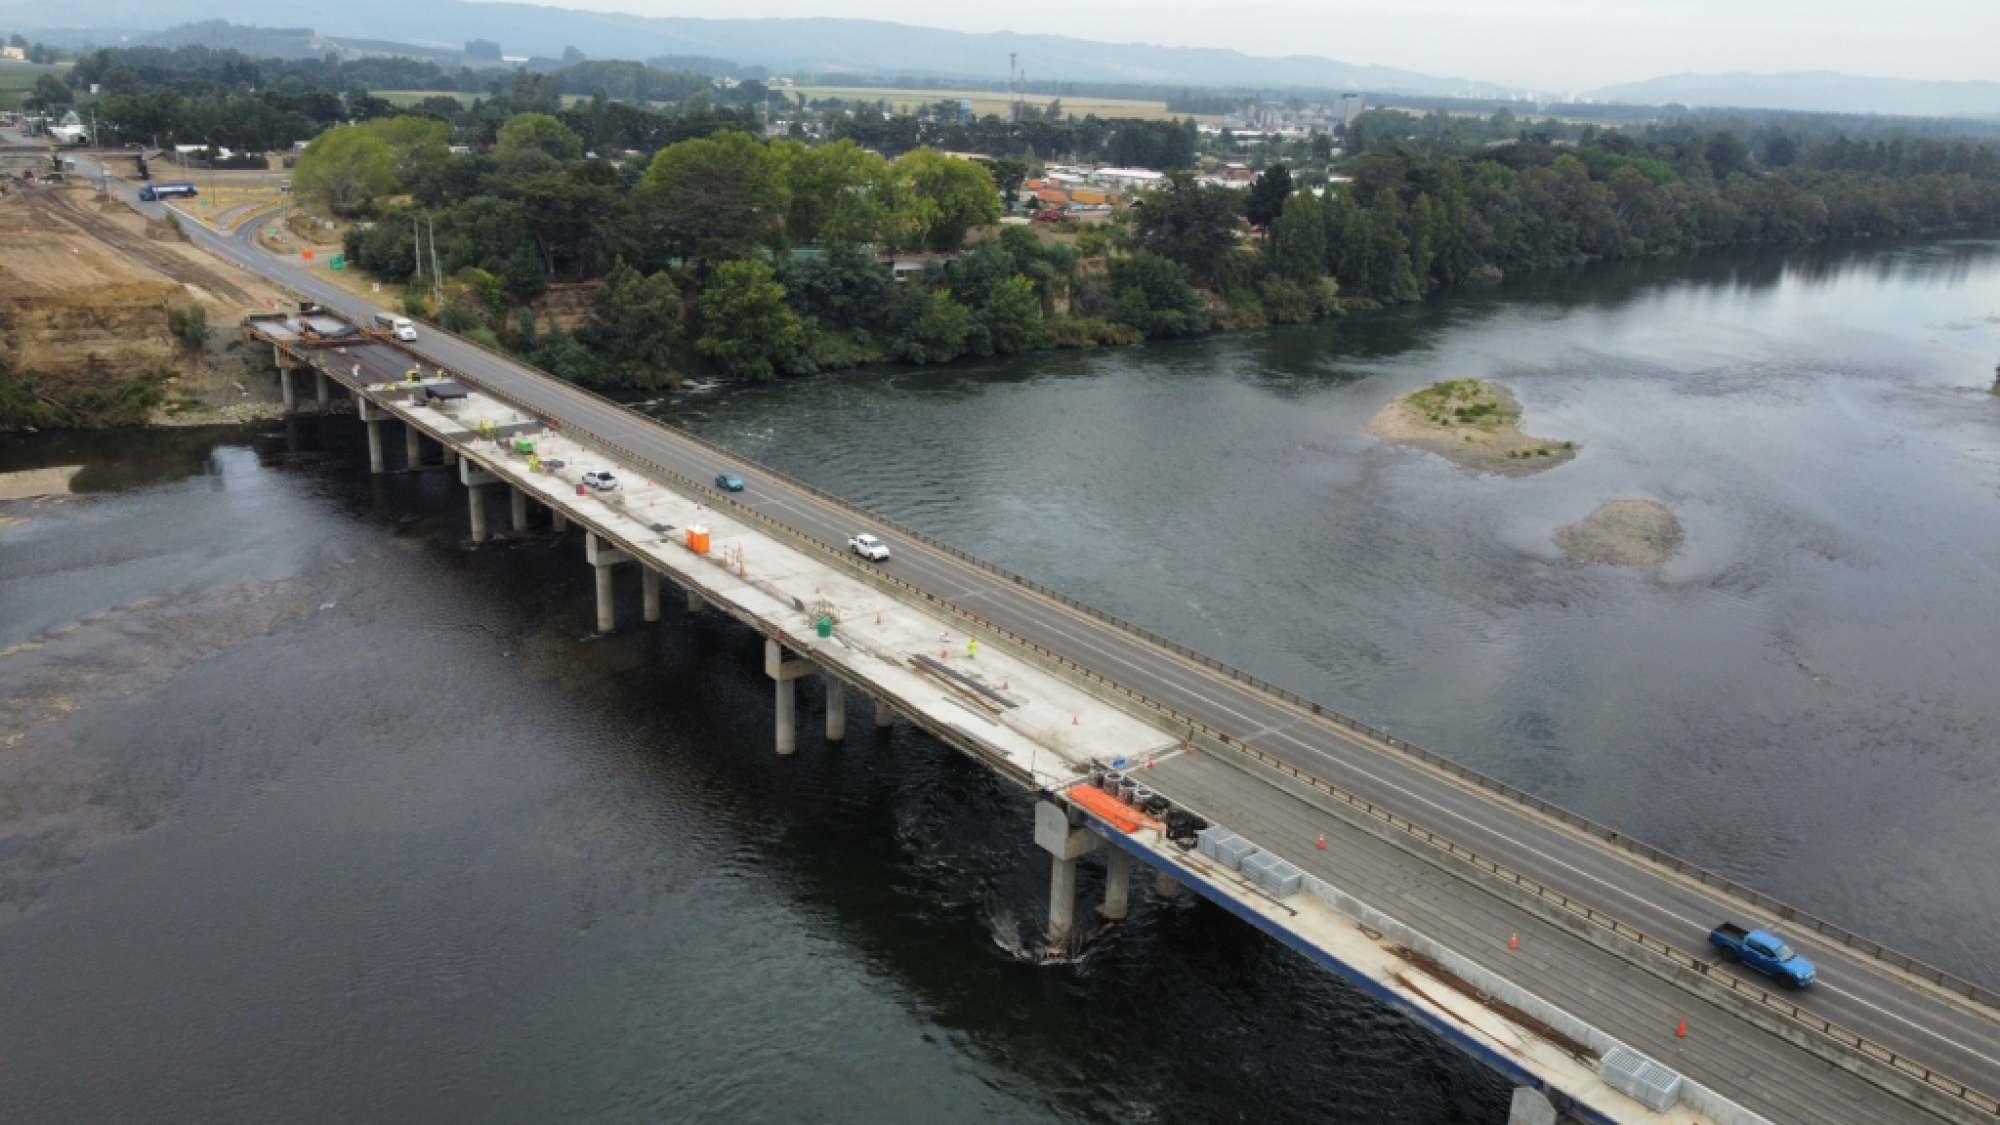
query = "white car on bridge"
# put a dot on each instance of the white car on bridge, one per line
(868, 547)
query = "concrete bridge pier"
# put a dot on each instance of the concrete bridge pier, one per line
(1166, 886)
(785, 673)
(1065, 843)
(322, 389)
(885, 714)
(649, 591)
(450, 454)
(1117, 884)
(558, 522)
(1530, 1107)
(374, 416)
(285, 387)
(603, 558)
(518, 507)
(694, 601)
(475, 480)
(413, 447)
(836, 709)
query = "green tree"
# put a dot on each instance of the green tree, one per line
(716, 198)
(1299, 239)
(1190, 223)
(534, 142)
(835, 193)
(415, 143)
(1268, 193)
(747, 329)
(48, 93)
(1151, 293)
(635, 324)
(345, 168)
(952, 196)
(942, 331)
(1013, 317)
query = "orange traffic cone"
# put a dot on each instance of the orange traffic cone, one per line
(1322, 842)
(878, 619)
(1514, 942)
(1074, 721)
(1681, 1032)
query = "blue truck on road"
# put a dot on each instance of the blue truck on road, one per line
(153, 193)
(1764, 952)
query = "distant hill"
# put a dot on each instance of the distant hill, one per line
(1814, 91)
(851, 47)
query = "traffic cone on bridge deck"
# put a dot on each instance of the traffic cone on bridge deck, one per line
(1514, 942)
(1681, 1032)
(1322, 841)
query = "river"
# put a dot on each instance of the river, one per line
(308, 811)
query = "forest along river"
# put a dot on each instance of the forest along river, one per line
(308, 811)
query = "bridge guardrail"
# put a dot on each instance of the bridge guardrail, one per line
(1792, 914)
(1852, 1039)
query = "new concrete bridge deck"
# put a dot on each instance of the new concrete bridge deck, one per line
(1612, 936)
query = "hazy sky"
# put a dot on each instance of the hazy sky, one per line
(1554, 45)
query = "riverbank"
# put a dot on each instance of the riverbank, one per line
(1471, 423)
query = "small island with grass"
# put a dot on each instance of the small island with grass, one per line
(1472, 423)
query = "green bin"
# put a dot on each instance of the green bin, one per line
(825, 626)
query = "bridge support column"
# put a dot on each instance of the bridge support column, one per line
(374, 416)
(518, 502)
(558, 522)
(785, 673)
(285, 388)
(322, 389)
(694, 602)
(475, 480)
(1117, 884)
(1065, 843)
(649, 589)
(602, 559)
(450, 454)
(836, 708)
(885, 714)
(1166, 886)
(1530, 1107)
(413, 447)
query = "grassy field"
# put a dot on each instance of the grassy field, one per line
(17, 78)
(987, 102)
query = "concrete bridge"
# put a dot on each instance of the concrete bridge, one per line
(1568, 957)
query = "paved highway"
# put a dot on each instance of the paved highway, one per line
(1855, 991)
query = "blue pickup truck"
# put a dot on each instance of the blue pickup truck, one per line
(1764, 952)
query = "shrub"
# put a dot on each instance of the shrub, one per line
(1090, 332)
(190, 326)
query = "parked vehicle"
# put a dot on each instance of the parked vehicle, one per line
(601, 480)
(868, 547)
(729, 482)
(1764, 952)
(153, 193)
(398, 326)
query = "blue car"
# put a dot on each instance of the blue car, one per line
(729, 482)
(1765, 952)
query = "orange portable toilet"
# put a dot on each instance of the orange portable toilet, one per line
(698, 540)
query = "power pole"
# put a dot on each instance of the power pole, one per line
(437, 279)
(417, 229)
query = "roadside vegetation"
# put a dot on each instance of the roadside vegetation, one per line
(650, 231)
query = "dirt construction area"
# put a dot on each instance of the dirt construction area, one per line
(89, 290)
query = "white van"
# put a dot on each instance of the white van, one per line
(397, 326)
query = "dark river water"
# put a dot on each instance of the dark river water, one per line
(310, 812)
